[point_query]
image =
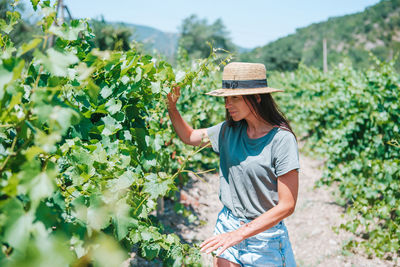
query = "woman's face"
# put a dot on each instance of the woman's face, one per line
(237, 107)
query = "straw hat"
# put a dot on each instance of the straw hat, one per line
(240, 78)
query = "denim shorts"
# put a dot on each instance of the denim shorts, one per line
(269, 248)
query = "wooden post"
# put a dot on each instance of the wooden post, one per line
(69, 13)
(325, 55)
(60, 7)
(160, 206)
(59, 20)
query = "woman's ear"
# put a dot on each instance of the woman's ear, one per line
(258, 99)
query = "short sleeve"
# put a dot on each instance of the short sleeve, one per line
(286, 154)
(213, 135)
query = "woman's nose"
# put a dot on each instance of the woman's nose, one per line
(227, 102)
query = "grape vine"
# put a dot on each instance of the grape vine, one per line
(87, 148)
(351, 119)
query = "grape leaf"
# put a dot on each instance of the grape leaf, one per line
(56, 62)
(29, 46)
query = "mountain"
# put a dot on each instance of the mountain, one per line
(376, 30)
(165, 43)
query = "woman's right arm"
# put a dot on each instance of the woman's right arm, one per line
(186, 133)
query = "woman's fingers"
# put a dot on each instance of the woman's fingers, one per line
(222, 241)
(177, 90)
(205, 245)
(174, 94)
(170, 101)
(207, 240)
(213, 248)
(214, 243)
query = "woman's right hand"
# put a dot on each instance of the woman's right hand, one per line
(173, 96)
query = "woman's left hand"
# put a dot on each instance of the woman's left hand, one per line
(224, 240)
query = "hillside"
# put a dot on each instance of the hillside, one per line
(376, 30)
(153, 39)
(165, 43)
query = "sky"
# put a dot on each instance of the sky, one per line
(250, 23)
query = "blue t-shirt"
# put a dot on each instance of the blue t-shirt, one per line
(249, 168)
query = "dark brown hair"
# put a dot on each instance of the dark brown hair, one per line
(266, 110)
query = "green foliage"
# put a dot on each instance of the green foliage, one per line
(352, 118)
(374, 30)
(86, 148)
(111, 37)
(196, 33)
(18, 30)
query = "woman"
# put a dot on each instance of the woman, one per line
(258, 170)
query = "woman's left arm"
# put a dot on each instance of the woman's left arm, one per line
(288, 185)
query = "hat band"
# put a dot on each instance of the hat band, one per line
(242, 84)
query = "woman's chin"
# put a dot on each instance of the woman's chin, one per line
(235, 119)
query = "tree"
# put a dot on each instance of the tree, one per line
(111, 36)
(22, 30)
(196, 32)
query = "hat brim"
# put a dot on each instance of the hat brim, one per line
(243, 91)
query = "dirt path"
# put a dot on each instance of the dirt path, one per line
(310, 227)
